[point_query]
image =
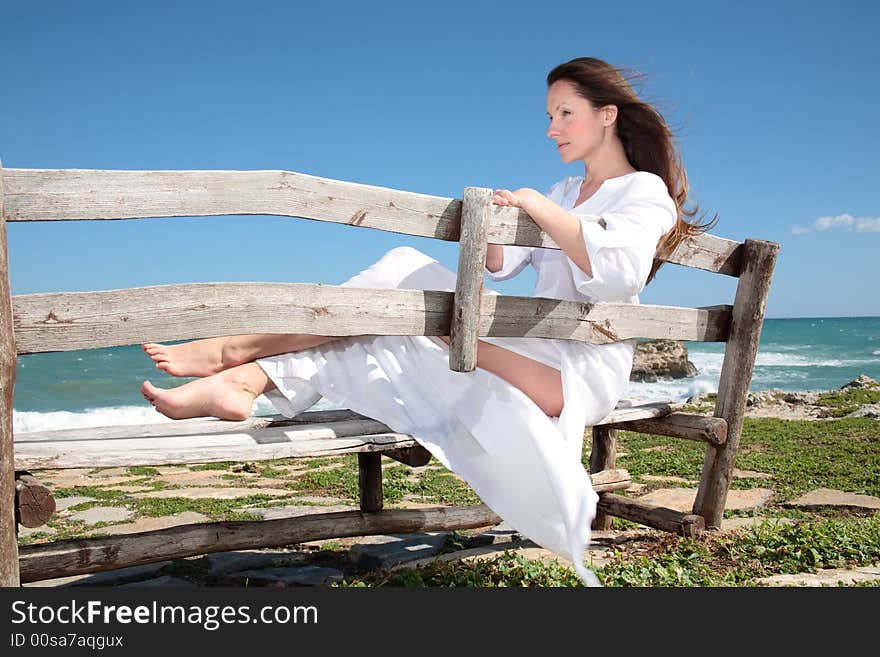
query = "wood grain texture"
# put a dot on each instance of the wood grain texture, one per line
(465, 323)
(8, 527)
(750, 303)
(603, 456)
(221, 440)
(267, 445)
(712, 430)
(370, 480)
(34, 502)
(658, 517)
(92, 555)
(77, 194)
(87, 320)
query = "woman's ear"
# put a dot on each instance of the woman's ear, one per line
(609, 115)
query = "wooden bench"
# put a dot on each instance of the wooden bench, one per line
(86, 320)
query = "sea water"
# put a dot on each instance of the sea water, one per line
(101, 387)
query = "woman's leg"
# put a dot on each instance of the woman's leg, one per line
(540, 382)
(213, 355)
(230, 394)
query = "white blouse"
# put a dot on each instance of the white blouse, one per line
(637, 210)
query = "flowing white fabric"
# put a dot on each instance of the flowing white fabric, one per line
(524, 465)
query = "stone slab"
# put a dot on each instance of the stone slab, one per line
(283, 577)
(63, 503)
(149, 524)
(732, 524)
(667, 479)
(66, 479)
(107, 578)
(213, 493)
(386, 550)
(102, 514)
(830, 577)
(750, 474)
(274, 513)
(165, 581)
(222, 563)
(828, 497)
(682, 499)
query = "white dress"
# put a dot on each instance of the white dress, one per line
(525, 465)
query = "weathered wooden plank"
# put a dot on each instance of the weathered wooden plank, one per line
(658, 517)
(85, 320)
(332, 418)
(199, 431)
(195, 438)
(752, 291)
(34, 502)
(712, 430)
(238, 447)
(611, 479)
(370, 481)
(704, 251)
(412, 456)
(92, 555)
(640, 412)
(465, 323)
(76, 194)
(307, 425)
(8, 529)
(603, 456)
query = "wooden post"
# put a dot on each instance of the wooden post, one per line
(9, 574)
(603, 456)
(759, 259)
(34, 502)
(464, 327)
(370, 480)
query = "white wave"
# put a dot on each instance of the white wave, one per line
(876, 352)
(776, 359)
(111, 416)
(674, 390)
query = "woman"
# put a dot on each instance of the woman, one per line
(514, 427)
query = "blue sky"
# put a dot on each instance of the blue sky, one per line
(775, 106)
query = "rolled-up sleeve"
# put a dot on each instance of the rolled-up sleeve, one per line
(517, 257)
(515, 260)
(622, 253)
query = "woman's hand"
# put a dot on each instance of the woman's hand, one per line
(505, 197)
(520, 198)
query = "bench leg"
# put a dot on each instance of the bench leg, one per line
(603, 456)
(370, 480)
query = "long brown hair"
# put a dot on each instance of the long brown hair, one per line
(648, 142)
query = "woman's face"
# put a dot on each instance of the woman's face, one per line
(576, 127)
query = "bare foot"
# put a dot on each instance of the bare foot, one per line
(196, 358)
(226, 395)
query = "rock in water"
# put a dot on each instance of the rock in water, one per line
(661, 359)
(862, 381)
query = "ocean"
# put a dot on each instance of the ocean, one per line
(100, 387)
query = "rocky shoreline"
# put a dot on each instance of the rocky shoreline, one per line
(858, 398)
(656, 360)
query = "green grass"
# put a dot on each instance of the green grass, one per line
(843, 402)
(800, 455)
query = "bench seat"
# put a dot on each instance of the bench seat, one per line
(259, 438)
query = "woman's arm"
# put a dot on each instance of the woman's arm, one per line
(494, 257)
(563, 227)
